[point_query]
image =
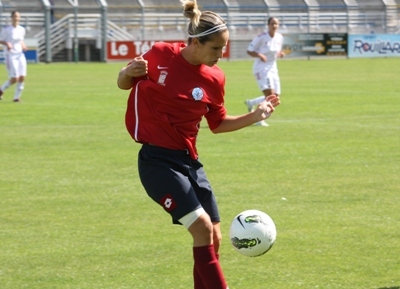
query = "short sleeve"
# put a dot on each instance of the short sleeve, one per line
(254, 44)
(216, 110)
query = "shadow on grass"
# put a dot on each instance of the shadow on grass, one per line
(395, 287)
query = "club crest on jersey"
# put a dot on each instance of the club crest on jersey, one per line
(162, 77)
(197, 94)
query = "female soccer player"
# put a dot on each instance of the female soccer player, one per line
(266, 48)
(12, 38)
(172, 87)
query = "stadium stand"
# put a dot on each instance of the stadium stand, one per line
(290, 5)
(255, 6)
(217, 6)
(123, 7)
(63, 7)
(369, 3)
(162, 19)
(25, 5)
(332, 5)
(165, 6)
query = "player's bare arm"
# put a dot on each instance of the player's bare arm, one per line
(24, 47)
(258, 55)
(263, 111)
(137, 68)
(8, 44)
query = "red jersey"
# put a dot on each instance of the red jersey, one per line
(165, 108)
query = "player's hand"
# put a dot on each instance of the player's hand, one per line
(265, 109)
(137, 68)
(262, 57)
(273, 99)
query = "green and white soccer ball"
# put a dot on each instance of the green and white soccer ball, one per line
(252, 233)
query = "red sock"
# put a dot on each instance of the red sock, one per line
(208, 268)
(198, 282)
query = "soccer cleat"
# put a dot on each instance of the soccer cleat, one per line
(261, 123)
(1, 94)
(249, 107)
(16, 100)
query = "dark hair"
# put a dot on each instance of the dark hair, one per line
(270, 19)
(200, 21)
(13, 13)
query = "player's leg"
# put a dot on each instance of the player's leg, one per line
(207, 269)
(250, 103)
(268, 86)
(197, 273)
(8, 83)
(19, 87)
(21, 72)
(268, 92)
(212, 267)
(276, 84)
(265, 83)
(174, 191)
(11, 65)
(217, 237)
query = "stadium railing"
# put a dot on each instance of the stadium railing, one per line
(143, 24)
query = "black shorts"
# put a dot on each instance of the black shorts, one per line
(176, 182)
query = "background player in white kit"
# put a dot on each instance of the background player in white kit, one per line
(12, 39)
(266, 48)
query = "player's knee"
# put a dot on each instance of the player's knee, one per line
(202, 229)
(268, 92)
(205, 225)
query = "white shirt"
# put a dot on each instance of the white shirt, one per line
(13, 35)
(269, 46)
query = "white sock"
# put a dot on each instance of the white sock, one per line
(257, 100)
(18, 90)
(5, 85)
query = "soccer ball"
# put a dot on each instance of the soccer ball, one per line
(252, 233)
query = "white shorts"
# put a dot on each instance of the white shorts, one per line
(268, 80)
(16, 65)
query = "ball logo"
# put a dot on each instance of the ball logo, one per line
(245, 242)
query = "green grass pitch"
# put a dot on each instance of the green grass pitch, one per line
(73, 213)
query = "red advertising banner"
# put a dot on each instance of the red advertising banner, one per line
(127, 50)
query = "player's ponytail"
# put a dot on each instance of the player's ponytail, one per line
(202, 24)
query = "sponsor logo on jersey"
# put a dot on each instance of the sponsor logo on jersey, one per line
(168, 203)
